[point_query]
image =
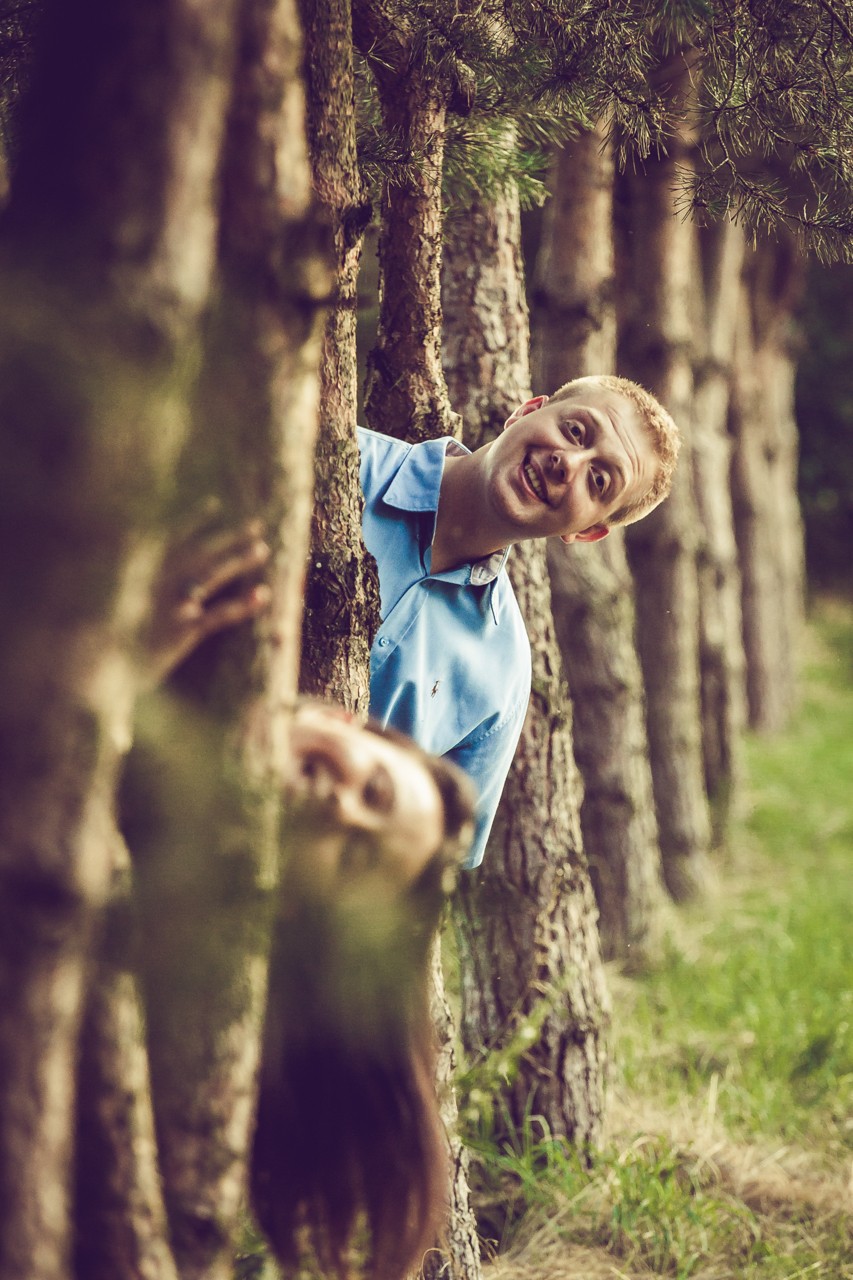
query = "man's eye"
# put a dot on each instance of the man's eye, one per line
(574, 432)
(378, 791)
(599, 479)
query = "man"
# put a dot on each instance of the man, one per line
(450, 665)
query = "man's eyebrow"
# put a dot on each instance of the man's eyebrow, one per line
(612, 462)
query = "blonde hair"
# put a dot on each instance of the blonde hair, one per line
(664, 436)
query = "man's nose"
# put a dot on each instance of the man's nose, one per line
(558, 466)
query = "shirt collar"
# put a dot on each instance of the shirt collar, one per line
(416, 487)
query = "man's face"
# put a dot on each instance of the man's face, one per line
(371, 808)
(564, 467)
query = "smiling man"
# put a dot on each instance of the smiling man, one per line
(450, 665)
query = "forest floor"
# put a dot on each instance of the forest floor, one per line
(729, 1144)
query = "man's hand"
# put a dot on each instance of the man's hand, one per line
(199, 592)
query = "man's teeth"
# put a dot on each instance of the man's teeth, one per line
(533, 480)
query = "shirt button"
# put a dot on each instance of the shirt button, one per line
(383, 641)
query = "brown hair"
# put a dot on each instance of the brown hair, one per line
(663, 433)
(348, 1130)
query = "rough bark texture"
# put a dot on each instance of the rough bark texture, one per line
(457, 1254)
(721, 656)
(209, 865)
(526, 918)
(767, 516)
(655, 349)
(104, 296)
(574, 326)
(342, 595)
(405, 390)
(594, 618)
(407, 397)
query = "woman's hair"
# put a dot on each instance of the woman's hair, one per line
(349, 1148)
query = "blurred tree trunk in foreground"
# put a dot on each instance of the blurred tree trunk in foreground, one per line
(95, 346)
(592, 588)
(532, 980)
(255, 416)
(766, 509)
(107, 249)
(656, 350)
(721, 656)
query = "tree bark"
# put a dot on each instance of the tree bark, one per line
(102, 308)
(592, 589)
(766, 510)
(656, 350)
(406, 394)
(407, 397)
(119, 1215)
(526, 918)
(208, 875)
(342, 594)
(721, 656)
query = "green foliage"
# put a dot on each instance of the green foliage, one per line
(745, 1033)
(771, 104)
(774, 118)
(766, 1016)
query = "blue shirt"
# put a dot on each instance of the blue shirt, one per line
(450, 665)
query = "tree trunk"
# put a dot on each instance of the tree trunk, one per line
(342, 595)
(592, 588)
(573, 313)
(656, 350)
(208, 875)
(95, 341)
(407, 397)
(721, 656)
(119, 1215)
(457, 1255)
(766, 510)
(406, 394)
(526, 917)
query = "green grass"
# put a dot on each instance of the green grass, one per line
(766, 1006)
(741, 1042)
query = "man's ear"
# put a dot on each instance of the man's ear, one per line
(593, 534)
(529, 406)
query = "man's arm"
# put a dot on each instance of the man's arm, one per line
(486, 760)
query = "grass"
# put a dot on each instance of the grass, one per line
(730, 1136)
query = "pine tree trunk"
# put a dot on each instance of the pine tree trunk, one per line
(573, 314)
(457, 1255)
(592, 588)
(656, 350)
(208, 874)
(721, 656)
(766, 509)
(407, 397)
(406, 394)
(96, 328)
(342, 595)
(526, 918)
(119, 1215)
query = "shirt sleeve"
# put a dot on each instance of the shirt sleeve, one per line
(486, 760)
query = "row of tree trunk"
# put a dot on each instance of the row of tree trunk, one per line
(175, 300)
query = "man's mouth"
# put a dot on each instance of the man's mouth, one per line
(535, 481)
